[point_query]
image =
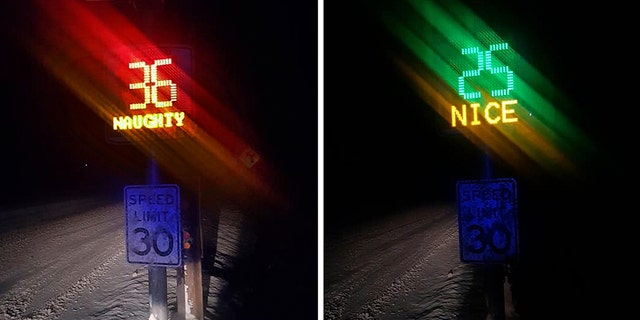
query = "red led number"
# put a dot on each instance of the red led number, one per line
(151, 83)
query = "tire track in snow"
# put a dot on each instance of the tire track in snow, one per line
(39, 222)
(55, 259)
(16, 304)
(360, 268)
(404, 283)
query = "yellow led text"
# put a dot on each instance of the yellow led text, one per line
(504, 113)
(149, 121)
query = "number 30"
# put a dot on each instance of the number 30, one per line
(498, 238)
(150, 242)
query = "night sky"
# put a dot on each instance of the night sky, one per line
(383, 142)
(257, 59)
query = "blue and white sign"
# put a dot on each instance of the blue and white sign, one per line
(487, 220)
(153, 230)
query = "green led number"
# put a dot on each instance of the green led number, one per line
(484, 63)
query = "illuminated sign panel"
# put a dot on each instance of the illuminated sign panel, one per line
(488, 74)
(487, 220)
(153, 89)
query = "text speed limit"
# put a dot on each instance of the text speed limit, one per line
(487, 220)
(153, 224)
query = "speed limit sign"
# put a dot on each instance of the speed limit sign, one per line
(153, 228)
(487, 220)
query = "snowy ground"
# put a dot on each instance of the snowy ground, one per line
(66, 260)
(404, 266)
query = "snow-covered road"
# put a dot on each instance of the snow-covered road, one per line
(66, 260)
(47, 266)
(404, 266)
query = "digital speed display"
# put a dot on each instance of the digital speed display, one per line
(153, 88)
(473, 69)
(495, 80)
(157, 93)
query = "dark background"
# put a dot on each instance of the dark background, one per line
(260, 59)
(382, 148)
(384, 151)
(382, 139)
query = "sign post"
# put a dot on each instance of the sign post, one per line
(488, 232)
(151, 83)
(155, 105)
(189, 277)
(153, 236)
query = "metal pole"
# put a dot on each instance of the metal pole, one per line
(487, 163)
(157, 274)
(158, 293)
(190, 288)
(493, 273)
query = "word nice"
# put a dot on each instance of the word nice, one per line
(493, 113)
(149, 121)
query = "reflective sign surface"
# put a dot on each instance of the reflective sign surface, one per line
(487, 220)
